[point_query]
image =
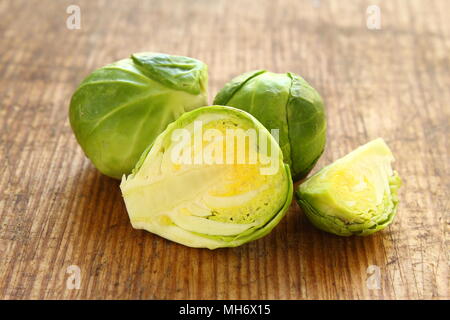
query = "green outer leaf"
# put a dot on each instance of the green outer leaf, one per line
(339, 227)
(117, 111)
(177, 72)
(307, 126)
(233, 86)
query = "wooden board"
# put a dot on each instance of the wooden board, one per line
(56, 210)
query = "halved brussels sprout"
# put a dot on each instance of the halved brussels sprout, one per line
(120, 108)
(355, 195)
(285, 102)
(214, 178)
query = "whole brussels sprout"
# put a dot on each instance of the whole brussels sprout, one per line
(285, 102)
(119, 109)
(355, 195)
(214, 178)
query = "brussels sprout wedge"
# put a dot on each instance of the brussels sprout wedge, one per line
(214, 178)
(355, 195)
(286, 102)
(122, 107)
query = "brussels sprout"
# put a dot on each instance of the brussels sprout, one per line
(214, 178)
(119, 109)
(355, 195)
(285, 102)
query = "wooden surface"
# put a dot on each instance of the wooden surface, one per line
(56, 210)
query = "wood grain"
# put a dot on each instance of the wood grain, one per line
(56, 210)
